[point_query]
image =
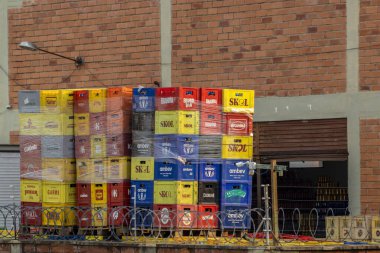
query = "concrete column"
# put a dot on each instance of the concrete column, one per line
(166, 42)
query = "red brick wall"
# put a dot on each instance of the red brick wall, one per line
(120, 41)
(370, 165)
(277, 47)
(369, 45)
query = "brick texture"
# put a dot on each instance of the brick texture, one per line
(369, 45)
(370, 165)
(278, 48)
(119, 40)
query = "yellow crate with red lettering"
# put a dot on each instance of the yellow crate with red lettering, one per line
(57, 101)
(240, 101)
(97, 100)
(59, 214)
(176, 192)
(237, 147)
(30, 123)
(99, 193)
(59, 193)
(31, 190)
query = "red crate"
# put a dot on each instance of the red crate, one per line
(31, 214)
(181, 216)
(118, 215)
(119, 98)
(238, 124)
(84, 216)
(177, 98)
(82, 146)
(81, 101)
(30, 146)
(211, 99)
(119, 144)
(207, 217)
(211, 123)
(98, 123)
(119, 193)
(30, 168)
(84, 194)
(119, 122)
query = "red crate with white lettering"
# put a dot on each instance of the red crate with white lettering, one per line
(211, 99)
(98, 123)
(81, 101)
(177, 98)
(30, 146)
(119, 193)
(238, 124)
(179, 216)
(30, 168)
(31, 214)
(118, 215)
(211, 123)
(84, 194)
(207, 216)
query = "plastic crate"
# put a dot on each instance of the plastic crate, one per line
(58, 169)
(119, 144)
(118, 168)
(99, 193)
(143, 144)
(175, 216)
(119, 122)
(57, 147)
(207, 216)
(176, 122)
(176, 192)
(31, 214)
(210, 123)
(142, 168)
(82, 147)
(29, 101)
(144, 216)
(119, 98)
(31, 191)
(57, 124)
(238, 124)
(237, 147)
(30, 124)
(231, 172)
(144, 192)
(241, 101)
(59, 214)
(119, 193)
(97, 100)
(57, 101)
(143, 99)
(82, 124)
(172, 146)
(143, 121)
(210, 147)
(208, 193)
(98, 123)
(211, 99)
(177, 98)
(58, 193)
(235, 217)
(172, 169)
(30, 146)
(30, 168)
(236, 193)
(84, 194)
(98, 146)
(81, 101)
(210, 170)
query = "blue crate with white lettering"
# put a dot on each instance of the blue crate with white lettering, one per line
(143, 99)
(174, 146)
(144, 191)
(172, 169)
(232, 172)
(235, 217)
(209, 170)
(239, 192)
(144, 216)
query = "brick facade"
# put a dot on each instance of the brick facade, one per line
(119, 40)
(278, 48)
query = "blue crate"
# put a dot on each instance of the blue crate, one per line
(235, 217)
(144, 216)
(209, 170)
(172, 169)
(238, 192)
(173, 145)
(29, 101)
(143, 99)
(230, 172)
(145, 191)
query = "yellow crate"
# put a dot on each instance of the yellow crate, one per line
(97, 100)
(241, 101)
(30, 124)
(59, 214)
(58, 169)
(332, 228)
(31, 191)
(345, 228)
(237, 147)
(83, 170)
(82, 124)
(99, 193)
(361, 228)
(177, 122)
(57, 124)
(98, 146)
(98, 170)
(142, 168)
(57, 101)
(375, 228)
(175, 192)
(99, 215)
(118, 168)
(62, 193)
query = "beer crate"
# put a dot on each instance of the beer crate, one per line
(82, 124)
(118, 215)
(119, 122)
(98, 123)
(30, 168)
(83, 170)
(176, 192)
(99, 193)
(177, 98)
(119, 193)
(238, 124)
(83, 194)
(236, 193)
(82, 147)
(91, 170)
(57, 146)
(375, 228)
(172, 169)
(57, 101)
(119, 98)
(57, 124)
(332, 228)
(143, 121)
(118, 168)
(237, 147)
(210, 147)
(30, 124)
(81, 101)
(58, 169)
(231, 172)
(210, 170)
(97, 100)
(173, 146)
(241, 101)
(345, 228)
(208, 193)
(143, 144)
(235, 217)
(29, 101)
(119, 144)
(144, 191)
(143, 99)
(31, 213)
(361, 227)
(177, 122)
(144, 216)
(58, 193)
(211, 123)
(31, 191)
(98, 146)
(30, 146)
(175, 216)
(59, 215)
(93, 216)
(207, 216)
(142, 168)
(211, 99)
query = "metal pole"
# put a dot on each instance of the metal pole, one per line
(258, 188)
(266, 217)
(274, 201)
(134, 209)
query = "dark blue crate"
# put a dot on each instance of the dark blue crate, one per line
(144, 216)
(143, 99)
(144, 192)
(236, 193)
(209, 170)
(173, 169)
(235, 217)
(231, 172)
(172, 146)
